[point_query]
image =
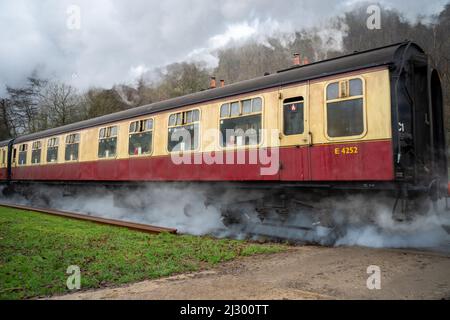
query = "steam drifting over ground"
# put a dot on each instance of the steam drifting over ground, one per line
(189, 209)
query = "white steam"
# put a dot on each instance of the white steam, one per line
(162, 206)
(426, 231)
(171, 207)
(355, 221)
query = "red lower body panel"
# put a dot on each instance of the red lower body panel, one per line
(3, 173)
(362, 161)
(354, 161)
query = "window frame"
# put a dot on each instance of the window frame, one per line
(117, 125)
(57, 139)
(18, 154)
(65, 146)
(347, 98)
(240, 101)
(38, 142)
(183, 125)
(3, 156)
(153, 137)
(14, 154)
(282, 126)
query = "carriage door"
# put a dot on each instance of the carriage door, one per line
(421, 121)
(294, 133)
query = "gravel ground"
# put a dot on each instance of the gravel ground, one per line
(305, 272)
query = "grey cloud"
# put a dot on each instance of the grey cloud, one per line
(117, 37)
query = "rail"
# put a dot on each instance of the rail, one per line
(119, 223)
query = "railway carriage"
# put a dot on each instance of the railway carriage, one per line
(367, 121)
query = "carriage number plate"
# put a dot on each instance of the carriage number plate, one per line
(346, 150)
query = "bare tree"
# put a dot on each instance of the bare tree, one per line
(180, 79)
(5, 123)
(100, 102)
(24, 102)
(59, 105)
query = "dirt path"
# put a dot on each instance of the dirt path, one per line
(301, 273)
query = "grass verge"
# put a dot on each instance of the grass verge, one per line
(36, 250)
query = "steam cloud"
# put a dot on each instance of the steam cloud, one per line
(357, 221)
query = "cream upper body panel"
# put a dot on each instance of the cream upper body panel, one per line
(3, 157)
(377, 107)
(377, 120)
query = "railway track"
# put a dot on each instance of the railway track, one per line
(72, 215)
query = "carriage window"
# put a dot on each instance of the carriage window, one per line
(235, 110)
(241, 126)
(23, 154)
(36, 152)
(196, 116)
(52, 149)
(293, 116)
(184, 132)
(333, 91)
(107, 142)
(355, 86)
(345, 112)
(3, 157)
(172, 120)
(140, 139)
(257, 105)
(225, 110)
(246, 106)
(189, 118)
(179, 119)
(72, 147)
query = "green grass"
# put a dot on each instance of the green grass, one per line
(36, 250)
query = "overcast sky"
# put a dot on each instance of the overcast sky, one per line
(118, 40)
